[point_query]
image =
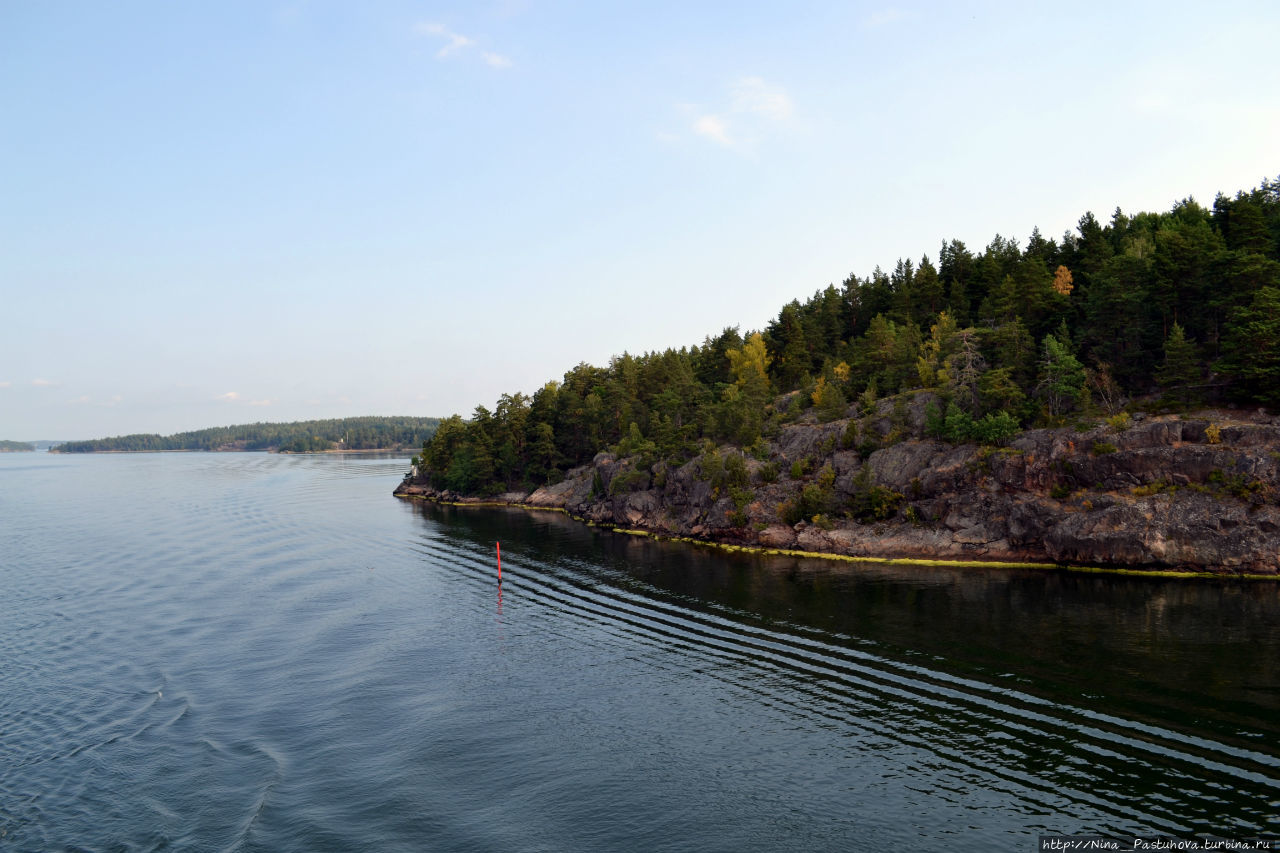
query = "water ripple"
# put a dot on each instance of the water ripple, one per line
(242, 652)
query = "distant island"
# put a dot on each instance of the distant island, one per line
(341, 434)
(1098, 400)
(16, 447)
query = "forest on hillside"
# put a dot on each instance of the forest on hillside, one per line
(1168, 310)
(364, 433)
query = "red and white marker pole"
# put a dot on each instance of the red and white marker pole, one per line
(499, 544)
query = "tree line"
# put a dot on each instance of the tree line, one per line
(364, 433)
(1171, 310)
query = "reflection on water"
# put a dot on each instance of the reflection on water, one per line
(253, 652)
(1133, 686)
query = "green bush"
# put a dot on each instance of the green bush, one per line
(1120, 422)
(1238, 485)
(871, 502)
(957, 425)
(711, 467)
(935, 425)
(826, 477)
(816, 498)
(801, 467)
(735, 471)
(630, 480)
(850, 438)
(995, 427)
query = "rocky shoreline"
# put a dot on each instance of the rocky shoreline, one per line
(1184, 494)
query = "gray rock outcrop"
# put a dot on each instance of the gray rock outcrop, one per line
(1158, 495)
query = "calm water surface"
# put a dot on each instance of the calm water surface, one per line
(254, 652)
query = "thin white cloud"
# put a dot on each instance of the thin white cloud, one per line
(261, 402)
(230, 396)
(714, 128)
(496, 60)
(753, 95)
(456, 43)
(6, 384)
(753, 106)
(42, 383)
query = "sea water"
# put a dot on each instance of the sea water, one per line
(265, 652)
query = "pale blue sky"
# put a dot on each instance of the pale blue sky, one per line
(226, 212)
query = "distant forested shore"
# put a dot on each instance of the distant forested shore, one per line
(364, 433)
(16, 446)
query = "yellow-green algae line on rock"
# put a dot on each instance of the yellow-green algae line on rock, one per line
(849, 558)
(959, 564)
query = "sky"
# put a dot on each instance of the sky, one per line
(221, 213)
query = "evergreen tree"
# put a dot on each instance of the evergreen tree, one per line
(1180, 372)
(903, 284)
(829, 400)
(788, 346)
(1011, 346)
(928, 290)
(1251, 350)
(711, 360)
(936, 349)
(1062, 377)
(955, 268)
(962, 371)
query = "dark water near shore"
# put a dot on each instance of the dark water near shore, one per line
(252, 652)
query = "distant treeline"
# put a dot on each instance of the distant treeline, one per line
(1171, 310)
(369, 433)
(16, 446)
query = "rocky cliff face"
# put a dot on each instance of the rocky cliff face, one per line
(1165, 493)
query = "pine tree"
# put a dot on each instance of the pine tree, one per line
(1180, 373)
(1062, 377)
(829, 400)
(1251, 351)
